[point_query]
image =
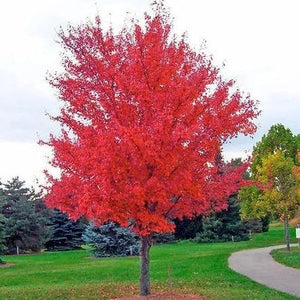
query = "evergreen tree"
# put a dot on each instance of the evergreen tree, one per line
(2, 226)
(26, 226)
(224, 226)
(13, 192)
(66, 234)
(265, 221)
(187, 228)
(2, 235)
(111, 240)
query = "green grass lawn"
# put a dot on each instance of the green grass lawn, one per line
(195, 268)
(290, 259)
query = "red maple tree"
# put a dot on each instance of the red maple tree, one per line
(143, 120)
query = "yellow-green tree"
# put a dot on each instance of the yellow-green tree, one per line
(278, 138)
(280, 196)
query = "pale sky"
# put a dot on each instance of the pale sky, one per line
(259, 41)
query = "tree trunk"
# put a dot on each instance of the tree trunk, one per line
(298, 226)
(286, 233)
(144, 258)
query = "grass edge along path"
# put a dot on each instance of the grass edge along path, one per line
(258, 265)
(289, 259)
(187, 267)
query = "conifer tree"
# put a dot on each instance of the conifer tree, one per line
(225, 225)
(26, 226)
(188, 228)
(2, 226)
(66, 234)
(2, 235)
(111, 240)
(13, 192)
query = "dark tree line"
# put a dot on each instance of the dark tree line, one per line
(223, 226)
(27, 225)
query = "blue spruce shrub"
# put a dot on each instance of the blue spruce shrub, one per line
(111, 240)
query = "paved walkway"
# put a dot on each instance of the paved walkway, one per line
(259, 265)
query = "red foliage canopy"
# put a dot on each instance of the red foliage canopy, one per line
(143, 120)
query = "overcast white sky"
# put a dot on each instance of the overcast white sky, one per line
(258, 40)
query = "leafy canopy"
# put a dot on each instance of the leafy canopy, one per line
(275, 167)
(281, 194)
(278, 138)
(143, 120)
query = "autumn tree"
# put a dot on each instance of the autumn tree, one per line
(143, 118)
(278, 138)
(274, 166)
(281, 197)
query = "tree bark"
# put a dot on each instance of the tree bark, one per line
(286, 233)
(144, 259)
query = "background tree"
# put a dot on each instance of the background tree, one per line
(280, 196)
(2, 225)
(26, 223)
(296, 170)
(65, 233)
(2, 235)
(225, 225)
(143, 119)
(13, 192)
(278, 145)
(111, 240)
(187, 228)
(298, 144)
(278, 138)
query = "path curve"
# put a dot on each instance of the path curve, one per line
(259, 265)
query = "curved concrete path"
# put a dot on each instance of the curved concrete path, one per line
(259, 265)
